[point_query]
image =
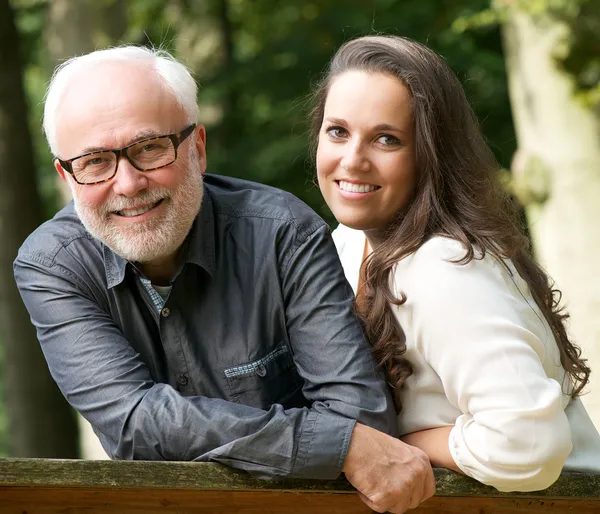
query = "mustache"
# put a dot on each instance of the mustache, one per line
(144, 197)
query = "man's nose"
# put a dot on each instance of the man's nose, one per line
(128, 181)
(355, 158)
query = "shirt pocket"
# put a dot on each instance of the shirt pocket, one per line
(266, 381)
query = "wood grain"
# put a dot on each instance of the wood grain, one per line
(53, 500)
(49, 486)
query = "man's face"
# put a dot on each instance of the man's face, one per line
(141, 215)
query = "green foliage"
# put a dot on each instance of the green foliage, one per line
(578, 54)
(259, 130)
(254, 90)
(583, 58)
(256, 61)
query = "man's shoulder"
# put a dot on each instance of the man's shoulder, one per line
(238, 198)
(46, 241)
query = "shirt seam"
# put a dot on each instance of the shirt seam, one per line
(260, 213)
(50, 256)
(306, 236)
(309, 431)
(54, 265)
(346, 444)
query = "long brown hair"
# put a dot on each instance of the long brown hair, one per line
(457, 195)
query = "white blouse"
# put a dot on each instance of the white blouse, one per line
(485, 361)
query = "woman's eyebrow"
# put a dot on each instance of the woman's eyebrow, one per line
(385, 126)
(335, 121)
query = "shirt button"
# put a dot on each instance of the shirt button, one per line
(165, 312)
(260, 370)
(182, 380)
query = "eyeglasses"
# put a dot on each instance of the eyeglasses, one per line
(146, 155)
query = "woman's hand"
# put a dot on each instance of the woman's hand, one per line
(434, 442)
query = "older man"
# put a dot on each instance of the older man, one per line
(192, 318)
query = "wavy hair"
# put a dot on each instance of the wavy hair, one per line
(457, 195)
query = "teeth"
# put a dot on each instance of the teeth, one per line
(136, 212)
(356, 188)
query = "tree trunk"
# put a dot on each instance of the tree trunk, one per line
(557, 173)
(41, 424)
(76, 28)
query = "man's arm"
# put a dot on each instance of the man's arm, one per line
(102, 376)
(340, 378)
(328, 344)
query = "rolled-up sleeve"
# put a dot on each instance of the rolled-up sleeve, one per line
(475, 329)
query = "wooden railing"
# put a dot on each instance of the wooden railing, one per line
(70, 486)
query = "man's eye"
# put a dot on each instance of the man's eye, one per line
(150, 147)
(96, 161)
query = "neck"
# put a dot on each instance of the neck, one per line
(160, 271)
(374, 238)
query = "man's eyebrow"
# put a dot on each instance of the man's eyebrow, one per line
(139, 136)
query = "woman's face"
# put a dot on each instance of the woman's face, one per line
(365, 154)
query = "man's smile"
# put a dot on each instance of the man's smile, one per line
(137, 211)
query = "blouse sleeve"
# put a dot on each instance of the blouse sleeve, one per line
(485, 342)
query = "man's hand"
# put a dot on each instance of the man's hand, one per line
(388, 474)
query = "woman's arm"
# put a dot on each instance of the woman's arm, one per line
(487, 345)
(434, 442)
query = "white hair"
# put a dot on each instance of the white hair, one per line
(173, 74)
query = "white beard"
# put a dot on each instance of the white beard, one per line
(158, 237)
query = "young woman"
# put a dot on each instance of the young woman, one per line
(464, 322)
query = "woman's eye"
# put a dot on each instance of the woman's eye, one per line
(336, 132)
(388, 140)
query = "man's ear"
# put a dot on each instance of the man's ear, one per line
(200, 139)
(61, 171)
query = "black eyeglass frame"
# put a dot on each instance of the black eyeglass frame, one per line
(176, 139)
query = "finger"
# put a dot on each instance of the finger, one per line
(429, 489)
(399, 508)
(417, 493)
(369, 503)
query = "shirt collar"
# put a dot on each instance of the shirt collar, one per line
(200, 246)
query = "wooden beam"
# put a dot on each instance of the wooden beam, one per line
(51, 486)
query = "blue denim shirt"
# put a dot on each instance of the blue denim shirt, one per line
(254, 360)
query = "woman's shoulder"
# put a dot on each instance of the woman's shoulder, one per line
(439, 262)
(442, 254)
(439, 248)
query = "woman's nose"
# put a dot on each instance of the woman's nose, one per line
(355, 158)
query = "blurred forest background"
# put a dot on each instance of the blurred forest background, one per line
(531, 69)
